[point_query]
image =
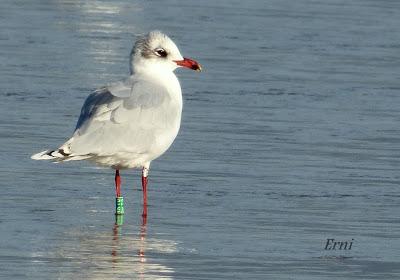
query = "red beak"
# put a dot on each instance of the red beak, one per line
(189, 63)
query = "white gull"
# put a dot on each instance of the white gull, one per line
(130, 123)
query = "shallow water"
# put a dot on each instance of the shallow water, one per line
(290, 136)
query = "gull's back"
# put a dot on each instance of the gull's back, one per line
(128, 123)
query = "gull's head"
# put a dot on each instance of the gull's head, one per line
(157, 51)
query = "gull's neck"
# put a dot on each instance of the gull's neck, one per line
(158, 74)
(155, 71)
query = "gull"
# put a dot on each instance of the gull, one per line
(130, 123)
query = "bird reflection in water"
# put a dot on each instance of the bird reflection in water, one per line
(119, 221)
(124, 250)
(128, 253)
(143, 232)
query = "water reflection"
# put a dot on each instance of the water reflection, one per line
(118, 225)
(99, 37)
(119, 221)
(92, 254)
(143, 233)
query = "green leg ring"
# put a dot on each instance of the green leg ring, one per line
(119, 205)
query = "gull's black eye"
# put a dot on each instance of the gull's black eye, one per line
(160, 52)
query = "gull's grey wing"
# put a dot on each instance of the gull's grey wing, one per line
(131, 93)
(123, 117)
(95, 104)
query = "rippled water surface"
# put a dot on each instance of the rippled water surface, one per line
(290, 136)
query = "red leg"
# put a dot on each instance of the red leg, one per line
(117, 184)
(144, 187)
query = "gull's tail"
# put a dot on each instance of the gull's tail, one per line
(61, 154)
(57, 155)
